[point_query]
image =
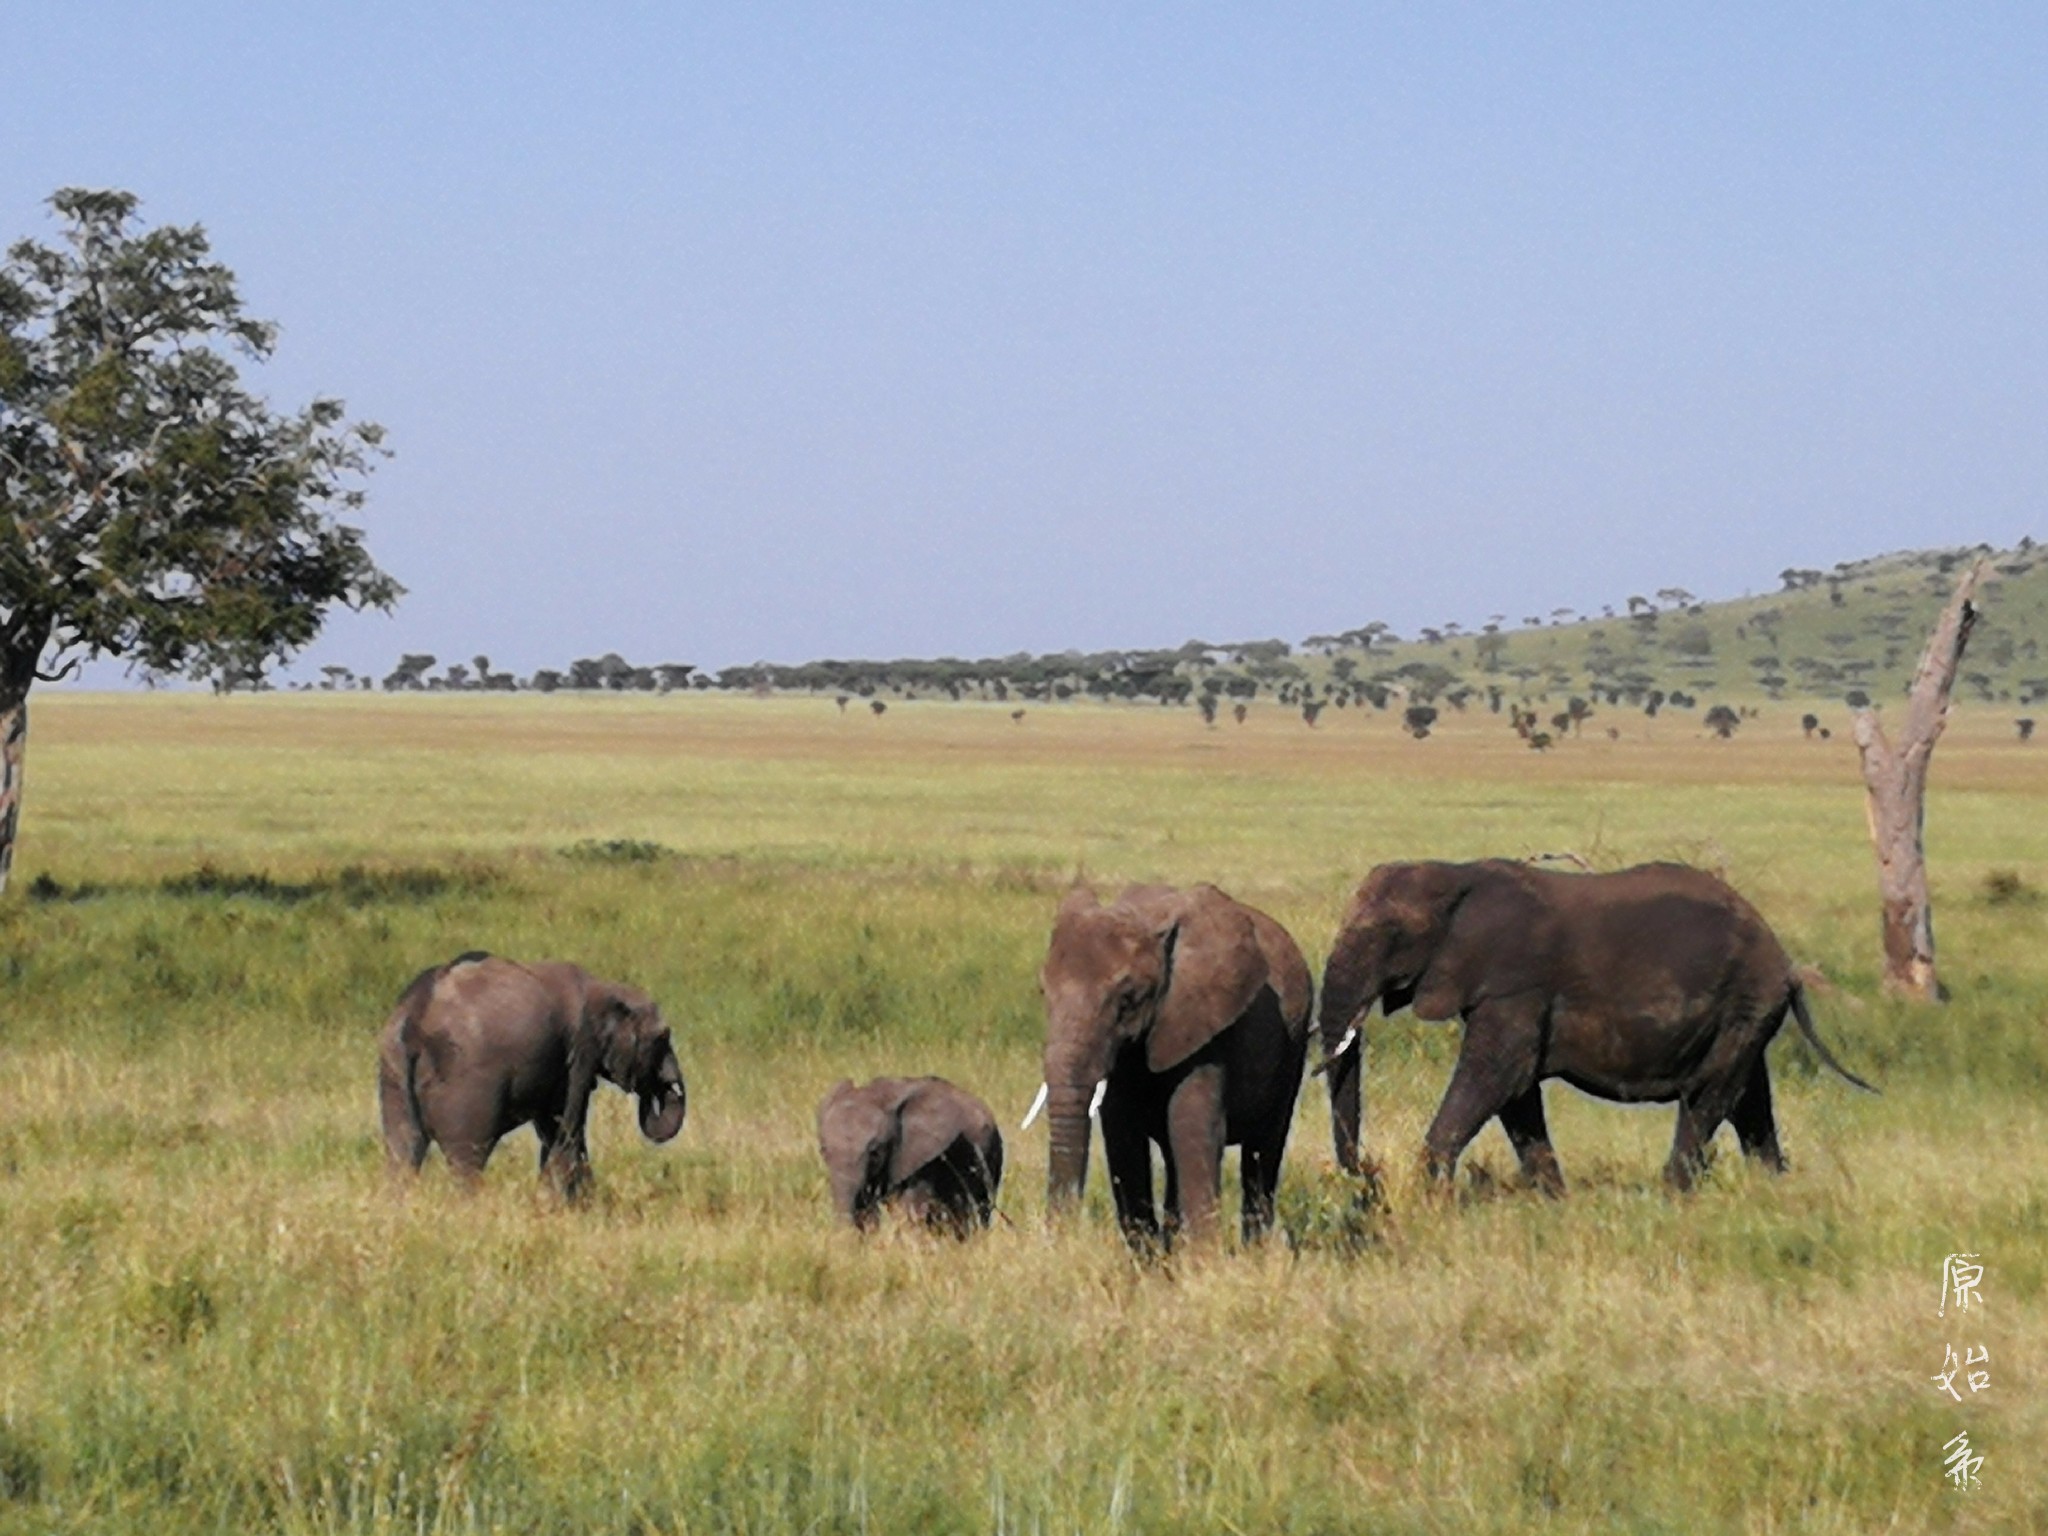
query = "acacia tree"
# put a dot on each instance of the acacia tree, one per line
(151, 507)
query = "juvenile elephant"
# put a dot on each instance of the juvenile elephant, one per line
(482, 1045)
(920, 1143)
(1646, 985)
(1181, 1017)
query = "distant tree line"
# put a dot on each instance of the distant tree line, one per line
(1662, 653)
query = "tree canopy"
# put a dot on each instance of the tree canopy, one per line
(151, 507)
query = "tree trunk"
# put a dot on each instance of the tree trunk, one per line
(13, 749)
(1895, 780)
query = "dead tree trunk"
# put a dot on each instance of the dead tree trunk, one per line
(1895, 782)
(13, 753)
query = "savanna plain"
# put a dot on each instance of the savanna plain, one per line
(218, 1316)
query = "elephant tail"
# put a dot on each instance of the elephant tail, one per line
(405, 1128)
(1798, 998)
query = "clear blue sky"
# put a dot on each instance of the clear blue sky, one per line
(719, 333)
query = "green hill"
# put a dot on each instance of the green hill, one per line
(1856, 629)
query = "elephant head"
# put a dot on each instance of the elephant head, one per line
(857, 1136)
(637, 1054)
(1432, 935)
(1144, 982)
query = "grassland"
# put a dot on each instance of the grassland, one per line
(217, 1317)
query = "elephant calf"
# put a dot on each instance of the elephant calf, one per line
(919, 1143)
(482, 1045)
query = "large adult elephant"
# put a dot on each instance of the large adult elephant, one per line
(924, 1145)
(1650, 984)
(1181, 1017)
(483, 1045)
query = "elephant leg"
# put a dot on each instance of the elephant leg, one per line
(1756, 1126)
(465, 1127)
(1128, 1152)
(1259, 1179)
(467, 1155)
(564, 1160)
(1691, 1143)
(1255, 1189)
(1700, 1114)
(1522, 1118)
(1194, 1153)
(947, 1195)
(570, 1173)
(1496, 1065)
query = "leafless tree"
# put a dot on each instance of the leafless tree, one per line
(1895, 780)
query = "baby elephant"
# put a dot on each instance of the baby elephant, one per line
(920, 1143)
(483, 1045)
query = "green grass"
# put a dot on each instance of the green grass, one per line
(217, 1317)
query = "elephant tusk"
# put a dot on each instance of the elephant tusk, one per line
(1095, 1104)
(1036, 1105)
(1331, 1058)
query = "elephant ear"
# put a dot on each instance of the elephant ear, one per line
(609, 1026)
(1494, 940)
(1216, 968)
(928, 1121)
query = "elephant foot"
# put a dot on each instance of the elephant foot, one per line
(1682, 1174)
(1368, 1187)
(1545, 1176)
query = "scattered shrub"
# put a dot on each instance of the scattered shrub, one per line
(354, 883)
(618, 850)
(2005, 888)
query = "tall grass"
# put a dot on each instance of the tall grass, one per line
(217, 1316)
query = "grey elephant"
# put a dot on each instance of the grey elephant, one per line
(1651, 984)
(920, 1144)
(482, 1045)
(1181, 1018)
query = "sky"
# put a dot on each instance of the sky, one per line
(723, 333)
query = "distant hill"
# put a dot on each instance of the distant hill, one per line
(1846, 634)
(1856, 629)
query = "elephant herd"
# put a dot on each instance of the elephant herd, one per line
(1180, 1019)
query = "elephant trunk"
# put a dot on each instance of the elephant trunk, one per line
(1067, 1118)
(663, 1102)
(1347, 1106)
(1351, 985)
